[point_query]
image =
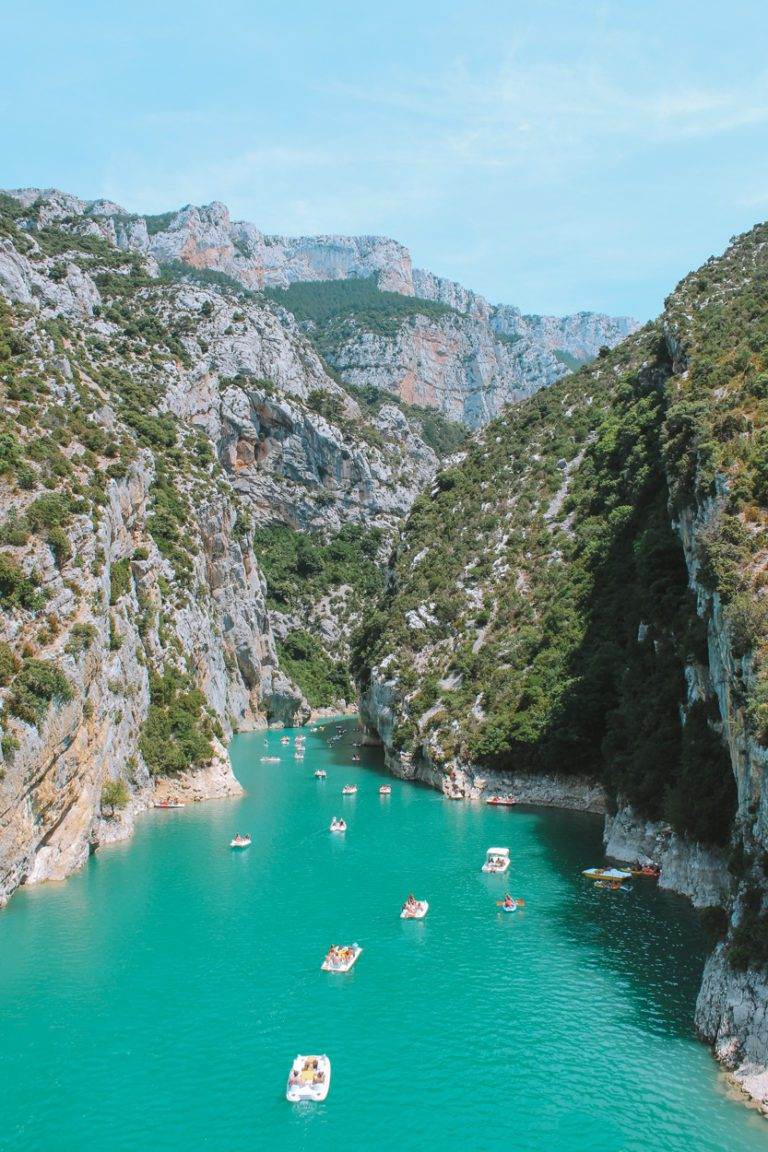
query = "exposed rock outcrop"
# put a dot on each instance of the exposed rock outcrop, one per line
(693, 870)
(468, 364)
(176, 418)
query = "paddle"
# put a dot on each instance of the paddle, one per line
(517, 900)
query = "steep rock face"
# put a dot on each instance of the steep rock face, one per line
(732, 1015)
(149, 425)
(468, 365)
(588, 587)
(693, 870)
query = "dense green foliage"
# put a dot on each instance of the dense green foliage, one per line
(114, 795)
(322, 301)
(299, 567)
(177, 732)
(301, 570)
(542, 591)
(322, 680)
(16, 589)
(748, 947)
(34, 688)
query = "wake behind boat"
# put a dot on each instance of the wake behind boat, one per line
(309, 1079)
(340, 958)
(270, 759)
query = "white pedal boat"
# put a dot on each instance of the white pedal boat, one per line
(496, 860)
(309, 1079)
(320, 774)
(240, 842)
(349, 790)
(338, 825)
(416, 910)
(385, 790)
(341, 958)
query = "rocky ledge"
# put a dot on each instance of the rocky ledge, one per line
(692, 870)
(732, 1016)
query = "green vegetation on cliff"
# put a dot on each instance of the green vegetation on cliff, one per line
(539, 616)
(323, 303)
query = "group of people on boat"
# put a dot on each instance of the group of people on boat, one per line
(339, 955)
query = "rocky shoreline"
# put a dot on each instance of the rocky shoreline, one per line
(732, 1008)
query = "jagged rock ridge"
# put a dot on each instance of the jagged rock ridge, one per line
(468, 363)
(151, 430)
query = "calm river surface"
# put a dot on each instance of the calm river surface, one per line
(155, 1001)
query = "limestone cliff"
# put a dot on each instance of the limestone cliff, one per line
(467, 363)
(586, 590)
(154, 428)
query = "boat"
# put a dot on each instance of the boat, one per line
(340, 958)
(285, 739)
(349, 790)
(240, 841)
(298, 755)
(612, 875)
(338, 825)
(385, 790)
(509, 905)
(414, 909)
(320, 774)
(613, 885)
(355, 759)
(168, 804)
(309, 1079)
(496, 860)
(270, 759)
(502, 801)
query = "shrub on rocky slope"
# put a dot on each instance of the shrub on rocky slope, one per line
(540, 614)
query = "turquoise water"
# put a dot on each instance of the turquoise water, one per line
(156, 1000)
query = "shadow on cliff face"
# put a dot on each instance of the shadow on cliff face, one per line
(652, 940)
(619, 715)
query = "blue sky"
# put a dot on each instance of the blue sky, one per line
(550, 154)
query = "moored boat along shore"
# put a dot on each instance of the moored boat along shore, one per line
(732, 1007)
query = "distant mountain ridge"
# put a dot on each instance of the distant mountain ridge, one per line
(468, 364)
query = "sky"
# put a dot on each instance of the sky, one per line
(555, 155)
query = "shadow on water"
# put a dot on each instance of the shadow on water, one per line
(653, 940)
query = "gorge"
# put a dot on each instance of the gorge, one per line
(238, 471)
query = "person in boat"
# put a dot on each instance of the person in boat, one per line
(507, 900)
